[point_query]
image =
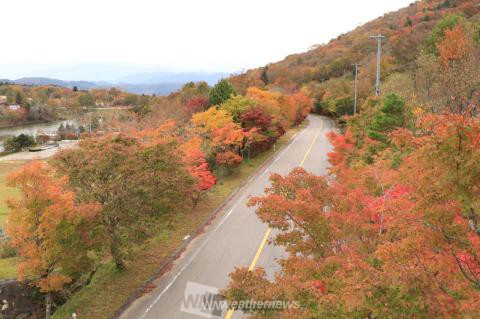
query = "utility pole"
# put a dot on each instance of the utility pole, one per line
(356, 89)
(379, 38)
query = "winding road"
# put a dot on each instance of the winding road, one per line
(236, 238)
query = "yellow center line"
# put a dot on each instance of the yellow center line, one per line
(310, 148)
(230, 312)
(259, 250)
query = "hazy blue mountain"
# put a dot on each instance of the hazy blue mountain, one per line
(171, 77)
(164, 88)
(114, 73)
(139, 79)
(149, 89)
(81, 85)
(91, 72)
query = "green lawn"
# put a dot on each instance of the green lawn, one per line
(7, 265)
(6, 192)
(7, 268)
(109, 288)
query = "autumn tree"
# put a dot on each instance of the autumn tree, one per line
(195, 160)
(229, 137)
(218, 131)
(204, 122)
(49, 230)
(285, 110)
(135, 185)
(228, 161)
(256, 117)
(438, 32)
(86, 99)
(197, 104)
(438, 84)
(236, 106)
(454, 45)
(375, 244)
(261, 132)
(296, 108)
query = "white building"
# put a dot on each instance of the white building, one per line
(14, 107)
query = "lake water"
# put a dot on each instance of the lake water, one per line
(31, 129)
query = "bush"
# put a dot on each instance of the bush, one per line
(17, 143)
(71, 136)
(344, 106)
(228, 161)
(6, 251)
(42, 139)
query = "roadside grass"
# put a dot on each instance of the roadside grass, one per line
(8, 268)
(110, 289)
(6, 167)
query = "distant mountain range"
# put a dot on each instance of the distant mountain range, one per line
(159, 83)
(169, 77)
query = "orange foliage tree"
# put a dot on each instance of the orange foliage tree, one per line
(454, 44)
(228, 160)
(218, 131)
(135, 184)
(194, 158)
(285, 110)
(48, 229)
(381, 240)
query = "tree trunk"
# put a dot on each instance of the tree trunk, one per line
(195, 199)
(48, 305)
(116, 252)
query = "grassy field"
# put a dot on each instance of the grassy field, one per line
(7, 268)
(6, 192)
(109, 288)
(7, 265)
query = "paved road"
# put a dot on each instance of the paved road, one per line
(235, 238)
(28, 156)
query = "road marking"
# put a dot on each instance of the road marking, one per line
(260, 248)
(186, 265)
(202, 245)
(311, 145)
(230, 312)
(197, 252)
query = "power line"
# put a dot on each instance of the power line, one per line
(379, 38)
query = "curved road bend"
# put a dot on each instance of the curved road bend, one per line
(235, 237)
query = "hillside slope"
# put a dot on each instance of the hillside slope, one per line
(318, 69)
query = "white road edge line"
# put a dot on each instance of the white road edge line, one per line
(190, 260)
(185, 265)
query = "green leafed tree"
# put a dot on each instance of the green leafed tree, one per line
(86, 100)
(17, 143)
(236, 106)
(391, 115)
(221, 92)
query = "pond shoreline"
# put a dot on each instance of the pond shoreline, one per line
(28, 123)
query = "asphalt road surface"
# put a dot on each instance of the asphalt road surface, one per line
(29, 156)
(236, 238)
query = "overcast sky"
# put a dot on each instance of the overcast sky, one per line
(223, 35)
